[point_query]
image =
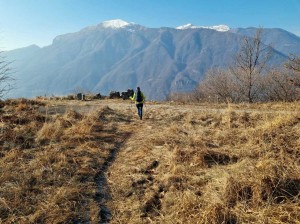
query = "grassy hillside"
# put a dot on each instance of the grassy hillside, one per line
(93, 162)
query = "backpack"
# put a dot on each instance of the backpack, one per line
(139, 97)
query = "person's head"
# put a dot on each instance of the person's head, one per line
(138, 88)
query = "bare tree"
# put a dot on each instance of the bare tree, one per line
(6, 79)
(249, 64)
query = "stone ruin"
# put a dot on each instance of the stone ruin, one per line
(80, 96)
(123, 95)
(112, 95)
(127, 94)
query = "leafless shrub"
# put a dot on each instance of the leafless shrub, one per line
(280, 86)
(293, 64)
(219, 85)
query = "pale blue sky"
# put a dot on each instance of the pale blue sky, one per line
(26, 22)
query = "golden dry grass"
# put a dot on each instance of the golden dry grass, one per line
(181, 164)
(217, 166)
(49, 164)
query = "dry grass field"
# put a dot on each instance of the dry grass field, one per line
(95, 162)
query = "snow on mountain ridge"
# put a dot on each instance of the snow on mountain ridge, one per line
(119, 23)
(115, 24)
(220, 28)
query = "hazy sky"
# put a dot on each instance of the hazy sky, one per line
(26, 22)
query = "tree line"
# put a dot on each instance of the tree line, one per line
(248, 78)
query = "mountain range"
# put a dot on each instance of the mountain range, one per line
(117, 55)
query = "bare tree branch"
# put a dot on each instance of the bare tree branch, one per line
(6, 79)
(294, 63)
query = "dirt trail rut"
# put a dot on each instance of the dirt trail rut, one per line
(132, 175)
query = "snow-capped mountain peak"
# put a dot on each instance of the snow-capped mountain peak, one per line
(110, 24)
(115, 24)
(220, 28)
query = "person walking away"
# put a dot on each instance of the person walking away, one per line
(139, 99)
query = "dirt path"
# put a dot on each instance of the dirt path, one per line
(134, 188)
(103, 195)
(123, 129)
(118, 131)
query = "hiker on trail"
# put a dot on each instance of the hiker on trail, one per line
(139, 99)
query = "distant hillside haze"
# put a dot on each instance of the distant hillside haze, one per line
(117, 55)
